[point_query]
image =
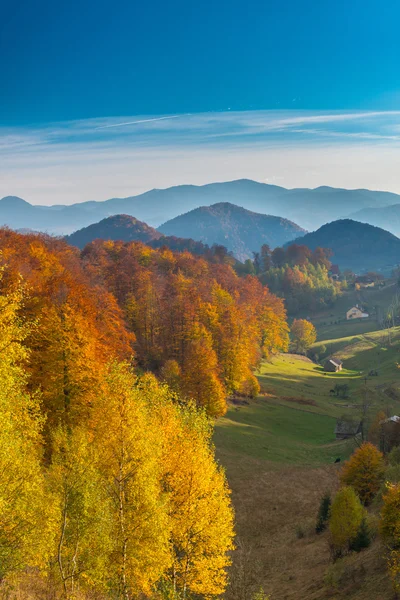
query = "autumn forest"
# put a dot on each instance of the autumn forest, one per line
(114, 362)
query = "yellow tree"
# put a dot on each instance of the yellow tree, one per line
(26, 512)
(303, 334)
(345, 519)
(129, 451)
(83, 540)
(200, 511)
(364, 471)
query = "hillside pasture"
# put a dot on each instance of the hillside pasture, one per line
(331, 323)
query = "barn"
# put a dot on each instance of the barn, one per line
(333, 365)
(347, 429)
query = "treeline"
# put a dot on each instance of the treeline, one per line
(109, 485)
(299, 275)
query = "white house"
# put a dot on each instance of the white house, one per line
(356, 313)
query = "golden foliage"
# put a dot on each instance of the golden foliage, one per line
(364, 471)
(303, 335)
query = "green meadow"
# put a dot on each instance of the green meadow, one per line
(293, 419)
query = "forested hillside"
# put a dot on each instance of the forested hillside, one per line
(356, 246)
(298, 275)
(110, 361)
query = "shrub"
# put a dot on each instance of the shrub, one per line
(304, 529)
(343, 572)
(364, 472)
(323, 513)
(300, 532)
(261, 595)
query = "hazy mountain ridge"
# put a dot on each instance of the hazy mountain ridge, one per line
(357, 246)
(240, 230)
(387, 217)
(309, 208)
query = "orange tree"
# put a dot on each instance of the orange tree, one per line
(364, 471)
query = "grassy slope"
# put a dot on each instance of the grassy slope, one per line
(279, 450)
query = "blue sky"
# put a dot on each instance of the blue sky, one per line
(98, 58)
(101, 99)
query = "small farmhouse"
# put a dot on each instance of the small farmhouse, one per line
(356, 313)
(364, 282)
(347, 429)
(333, 365)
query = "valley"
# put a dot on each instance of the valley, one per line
(279, 451)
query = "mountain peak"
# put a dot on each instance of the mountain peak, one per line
(116, 227)
(13, 201)
(356, 246)
(240, 230)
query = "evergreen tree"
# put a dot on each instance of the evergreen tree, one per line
(363, 537)
(323, 513)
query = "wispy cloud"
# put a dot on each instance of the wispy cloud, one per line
(101, 158)
(140, 121)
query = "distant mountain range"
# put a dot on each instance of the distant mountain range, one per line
(387, 217)
(356, 246)
(306, 207)
(241, 231)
